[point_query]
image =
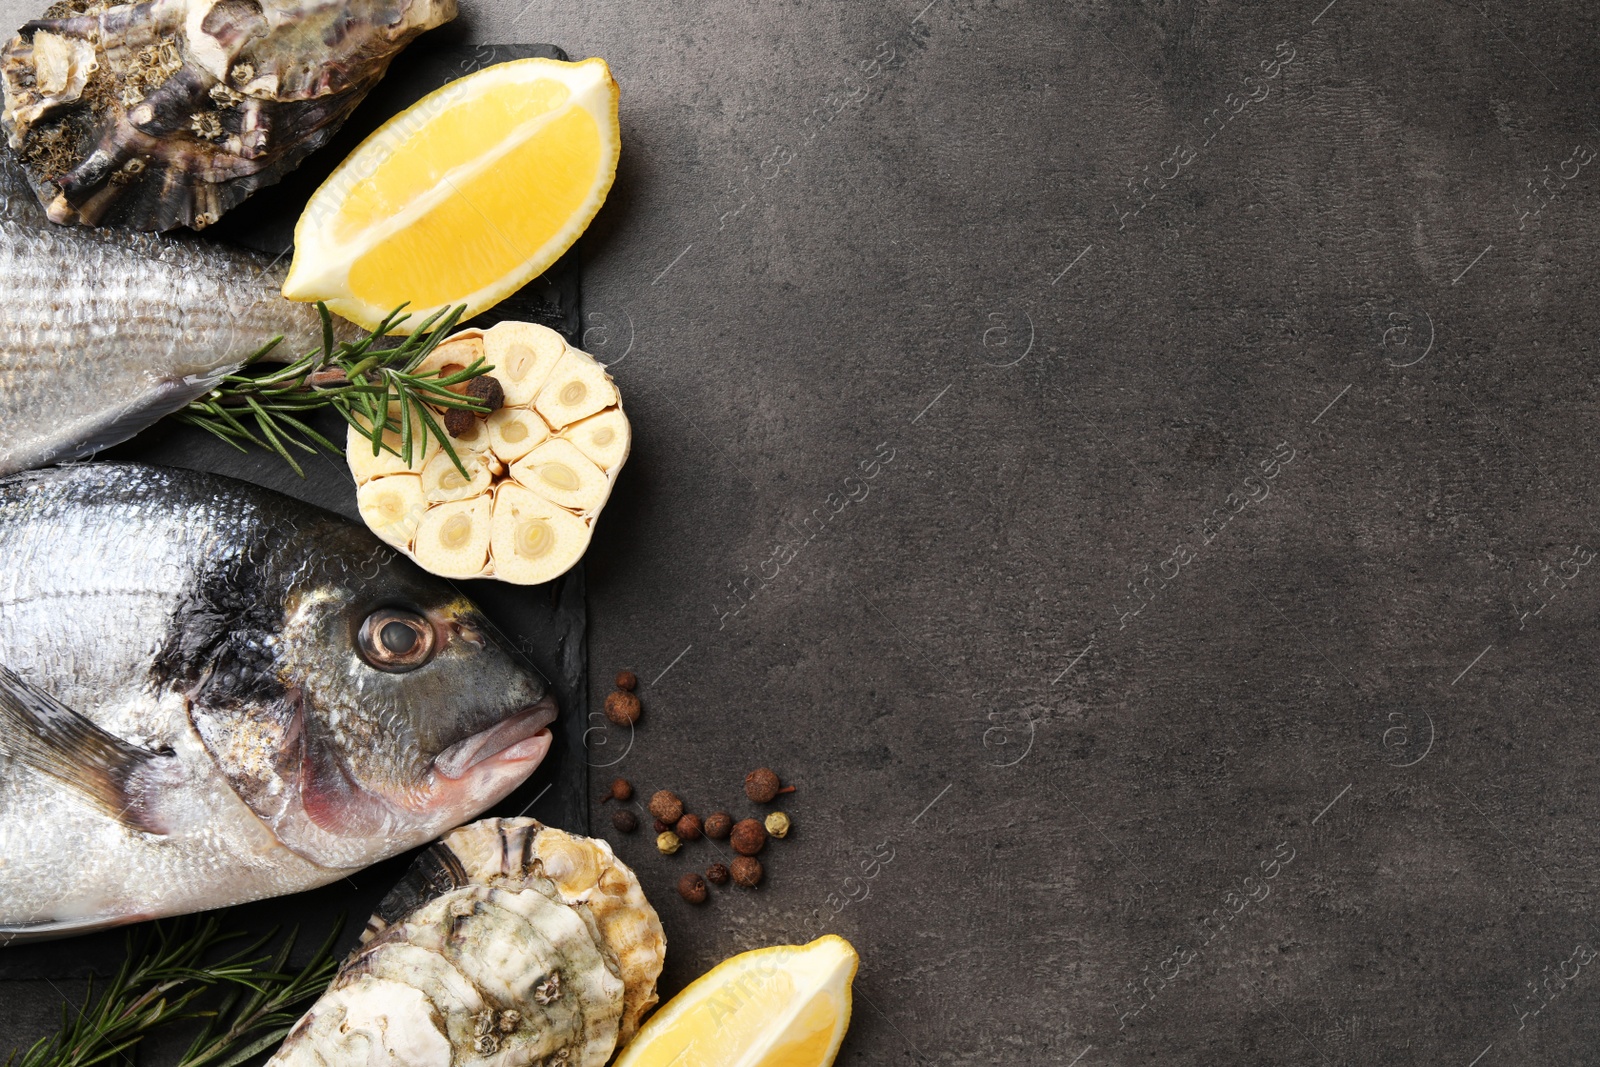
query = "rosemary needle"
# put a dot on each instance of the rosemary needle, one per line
(365, 384)
(166, 978)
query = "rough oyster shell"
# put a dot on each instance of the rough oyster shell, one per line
(168, 113)
(507, 943)
(581, 872)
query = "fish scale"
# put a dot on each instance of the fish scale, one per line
(101, 335)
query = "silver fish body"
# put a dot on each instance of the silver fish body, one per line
(100, 338)
(210, 693)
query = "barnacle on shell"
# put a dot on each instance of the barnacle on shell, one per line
(509, 944)
(212, 99)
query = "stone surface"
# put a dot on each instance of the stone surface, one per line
(1325, 796)
(1208, 675)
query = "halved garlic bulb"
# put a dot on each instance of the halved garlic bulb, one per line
(538, 471)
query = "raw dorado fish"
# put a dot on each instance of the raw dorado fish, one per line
(210, 693)
(103, 333)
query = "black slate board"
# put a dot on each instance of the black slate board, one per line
(546, 623)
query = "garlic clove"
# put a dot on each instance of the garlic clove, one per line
(475, 439)
(533, 540)
(452, 540)
(392, 507)
(514, 432)
(454, 355)
(557, 471)
(441, 480)
(366, 466)
(577, 388)
(523, 355)
(604, 438)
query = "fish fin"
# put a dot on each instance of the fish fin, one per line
(45, 929)
(332, 799)
(40, 732)
(168, 398)
(18, 203)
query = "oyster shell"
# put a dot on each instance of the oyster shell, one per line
(168, 113)
(507, 943)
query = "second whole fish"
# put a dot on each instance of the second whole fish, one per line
(104, 333)
(210, 693)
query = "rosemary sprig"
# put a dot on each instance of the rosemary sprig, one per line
(260, 1009)
(364, 383)
(165, 979)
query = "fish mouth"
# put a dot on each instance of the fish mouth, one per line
(524, 735)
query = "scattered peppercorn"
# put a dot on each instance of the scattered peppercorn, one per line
(746, 871)
(762, 784)
(458, 422)
(625, 821)
(620, 789)
(688, 827)
(666, 806)
(778, 824)
(692, 887)
(486, 390)
(718, 873)
(622, 708)
(627, 680)
(748, 837)
(662, 826)
(719, 825)
(668, 843)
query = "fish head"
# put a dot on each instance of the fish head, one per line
(387, 710)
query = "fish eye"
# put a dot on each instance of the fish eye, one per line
(396, 640)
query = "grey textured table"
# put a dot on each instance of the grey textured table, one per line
(1127, 466)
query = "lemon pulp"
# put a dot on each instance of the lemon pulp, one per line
(464, 197)
(786, 1006)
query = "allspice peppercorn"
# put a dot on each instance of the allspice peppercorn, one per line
(621, 789)
(668, 843)
(748, 837)
(718, 873)
(719, 825)
(486, 390)
(746, 871)
(692, 887)
(625, 821)
(622, 708)
(688, 827)
(662, 826)
(761, 785)
(627, 680)
(778, 824)
(666, 806)
(458, 421)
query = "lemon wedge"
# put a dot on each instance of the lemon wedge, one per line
(464, 197)
(786, 1006)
